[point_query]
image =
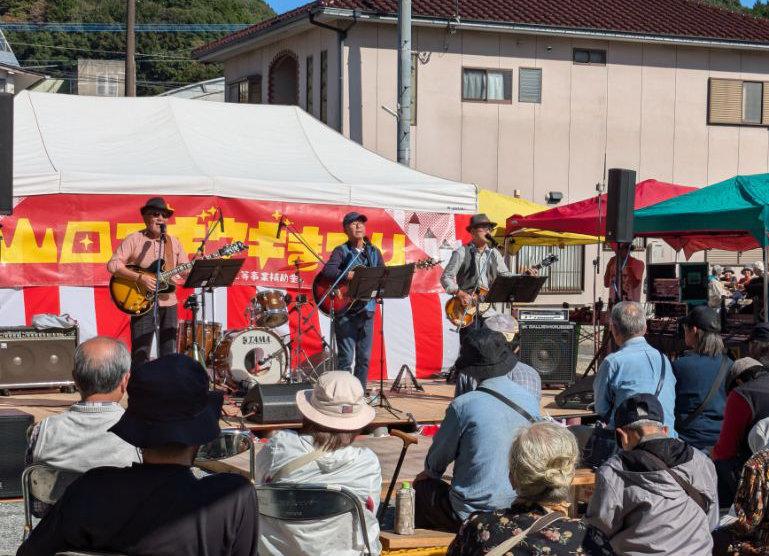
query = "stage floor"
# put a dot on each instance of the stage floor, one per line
(428, 407)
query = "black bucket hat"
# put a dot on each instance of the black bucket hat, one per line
(484, 354)
(157, 203)
(169, 402)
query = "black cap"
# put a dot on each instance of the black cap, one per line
(638, 407)
(169, 402)
(157, 203)
(704, 318)
(484, 354)
(353, 216)
(760, 333)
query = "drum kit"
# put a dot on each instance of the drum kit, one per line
(261, 352)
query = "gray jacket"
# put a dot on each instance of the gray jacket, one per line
(647, 512)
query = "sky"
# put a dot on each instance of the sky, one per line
(281, 6)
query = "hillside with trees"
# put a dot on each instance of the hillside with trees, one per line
(163, 60)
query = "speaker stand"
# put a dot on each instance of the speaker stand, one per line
(412, 382)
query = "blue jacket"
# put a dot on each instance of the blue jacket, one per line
(634, 369)
(695, 374)
(476, 434)
(342, 255)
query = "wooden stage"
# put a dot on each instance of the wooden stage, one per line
(428, 407)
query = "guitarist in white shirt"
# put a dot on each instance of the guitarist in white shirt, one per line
(142, 248)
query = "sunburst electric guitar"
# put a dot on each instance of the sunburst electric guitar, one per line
(462, 316)
(131, 297)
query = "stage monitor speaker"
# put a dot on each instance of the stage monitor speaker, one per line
(620, 204)
(6, 153)
(13, 439)
(551, 348)
(273, 403)
(31, 358)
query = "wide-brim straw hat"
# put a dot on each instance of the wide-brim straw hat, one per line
(336, 402)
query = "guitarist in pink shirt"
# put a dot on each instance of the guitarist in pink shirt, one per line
(142, 248)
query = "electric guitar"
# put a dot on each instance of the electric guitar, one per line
(463, 315)
(134, 299)
(340, 299)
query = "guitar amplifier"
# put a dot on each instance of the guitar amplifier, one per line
(273, 403)
(13, 439)
(32, 358)
(551, 348)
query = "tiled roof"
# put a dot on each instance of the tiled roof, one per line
(671, 18)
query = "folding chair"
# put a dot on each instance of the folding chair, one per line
(44, 483)
(309, 502)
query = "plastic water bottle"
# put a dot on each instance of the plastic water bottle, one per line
(404, 510)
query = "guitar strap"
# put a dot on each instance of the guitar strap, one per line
(168, 253)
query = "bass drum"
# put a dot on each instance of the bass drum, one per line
(253, 353)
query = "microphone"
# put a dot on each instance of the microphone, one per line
(221, 220)
(281, 225)
(491, 240)
(162, 230)
(366, 240)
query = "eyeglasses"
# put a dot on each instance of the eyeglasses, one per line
(155, 213)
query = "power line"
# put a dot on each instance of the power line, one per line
(120, 28)
(96, 50)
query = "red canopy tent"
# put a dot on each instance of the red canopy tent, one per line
(582, 217)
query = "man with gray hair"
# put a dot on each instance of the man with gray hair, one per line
(636, 368)
(657, 496)
(78, 439)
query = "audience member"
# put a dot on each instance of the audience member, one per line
(495, 351)
(746, 529)
(729, 278)
(475, 435)
(746, 276)
(542, 461)
(657, 496)
(700, 379)
(334, 413)
(157, 507)
(637, 368)
(747, 402)
(79, 438)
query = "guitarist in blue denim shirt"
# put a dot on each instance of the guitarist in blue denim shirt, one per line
(355, 328)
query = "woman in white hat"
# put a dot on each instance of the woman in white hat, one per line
(334, 413)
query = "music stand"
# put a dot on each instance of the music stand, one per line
(520, 289)
(207, 274)
(393, 282)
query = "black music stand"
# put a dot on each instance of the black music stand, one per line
(207, 274)
(519, 289)
(378, 283)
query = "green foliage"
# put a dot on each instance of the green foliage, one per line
(169, 64)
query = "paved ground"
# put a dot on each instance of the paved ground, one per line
(11, 527)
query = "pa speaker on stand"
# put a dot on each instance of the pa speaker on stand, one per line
(620, 205)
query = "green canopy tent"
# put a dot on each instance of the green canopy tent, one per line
(732, 214)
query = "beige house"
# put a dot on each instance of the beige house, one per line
(527, 98)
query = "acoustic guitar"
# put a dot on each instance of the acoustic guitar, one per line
(134, 299)
(461, 316)
(341, 300)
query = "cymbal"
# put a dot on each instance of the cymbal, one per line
(296, 266)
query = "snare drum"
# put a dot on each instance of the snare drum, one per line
(257, 352)
(268, 309)
(184, 337)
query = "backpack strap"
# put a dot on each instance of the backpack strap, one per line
(525, 414)
(662, 375)
(297, 463)
(687, 487)
(538, 525)
(720, 377)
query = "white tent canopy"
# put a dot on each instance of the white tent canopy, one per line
(162, 145)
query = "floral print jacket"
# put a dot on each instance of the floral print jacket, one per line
(485, 530)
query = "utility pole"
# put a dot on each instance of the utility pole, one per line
(130, 49)
(404, 82)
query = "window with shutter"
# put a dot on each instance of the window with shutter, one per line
(567, 275)
(737, 258)
(737, 102)
(530, 85)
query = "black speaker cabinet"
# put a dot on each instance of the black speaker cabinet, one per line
(31, 358)
(273, 403)
(620, 204)
(551, 348)
(13, 439)
(6, 153)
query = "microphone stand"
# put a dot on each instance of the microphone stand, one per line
(156, 308)
(202, 251)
